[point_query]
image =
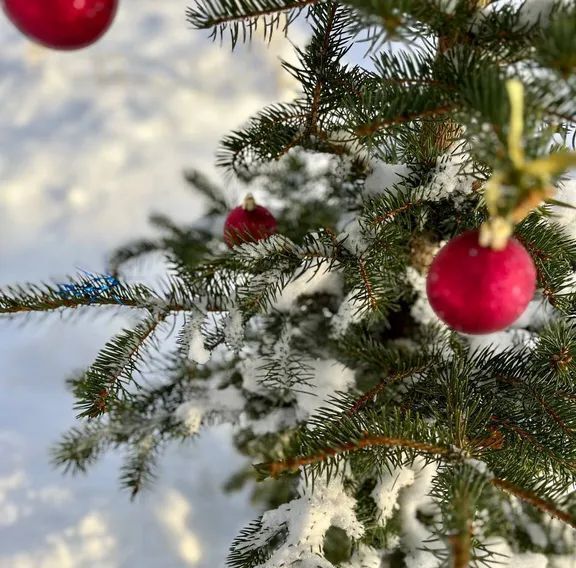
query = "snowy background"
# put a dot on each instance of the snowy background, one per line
(90, 143)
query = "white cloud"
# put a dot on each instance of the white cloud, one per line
(86, 545)
(174, 514)
(10, 511)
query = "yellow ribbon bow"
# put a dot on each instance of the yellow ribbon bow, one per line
(513, 192)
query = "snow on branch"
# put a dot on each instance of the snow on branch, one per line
(301, 526)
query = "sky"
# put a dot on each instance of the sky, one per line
(92, 142)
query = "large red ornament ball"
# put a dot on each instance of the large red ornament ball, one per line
(248, 223)
(476, 289)
(62, 24)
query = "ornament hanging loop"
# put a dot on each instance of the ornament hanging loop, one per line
(521, 185)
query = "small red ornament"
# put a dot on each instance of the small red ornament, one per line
(248, 223)
(62, 24)
(478, 290)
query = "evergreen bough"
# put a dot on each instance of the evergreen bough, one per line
(387, 439)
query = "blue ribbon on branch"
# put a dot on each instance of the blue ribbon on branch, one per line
(96, 285)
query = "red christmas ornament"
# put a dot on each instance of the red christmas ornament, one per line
(62, 24)
(478, 290)
(248, 223)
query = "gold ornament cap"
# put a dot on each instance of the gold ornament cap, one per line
(249, 203)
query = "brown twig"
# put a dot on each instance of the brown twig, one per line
(548, 408)
(275, 469)
(316, 92)
(100, 404)
(367, 283)
(371, 128)
(461, 544)
(566, 117)
(551, 411)
(525, 435)
(365, 399)
(368, 441)
(394, 212)
(535, 501)
(50, 304)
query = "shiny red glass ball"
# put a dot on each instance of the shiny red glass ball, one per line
(478, 290)
(244, 226)
(62, 24)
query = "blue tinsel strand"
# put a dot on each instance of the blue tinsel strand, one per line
(96, 285)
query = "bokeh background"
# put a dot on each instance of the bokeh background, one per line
(91, 142)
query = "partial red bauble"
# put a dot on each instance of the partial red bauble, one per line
(62, 24)
(248, 224)
(476, 289)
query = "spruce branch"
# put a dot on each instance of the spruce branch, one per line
(389, 215)
(548, 408)
(461, 544)
(243, 15)
(81, 447)
(133, 250)
(457, 490)
(243, 554)
(311, 120)
(108, 377)
(256, 273)
(367, 284)
(138, 470)
(381, 124)
(324, 60)
(275, 469)
(554, 254)
(142, 424)
(556, 457)
(214, 193)
(369, 396)
(555, 46)
(533, 499)
(31, 298)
